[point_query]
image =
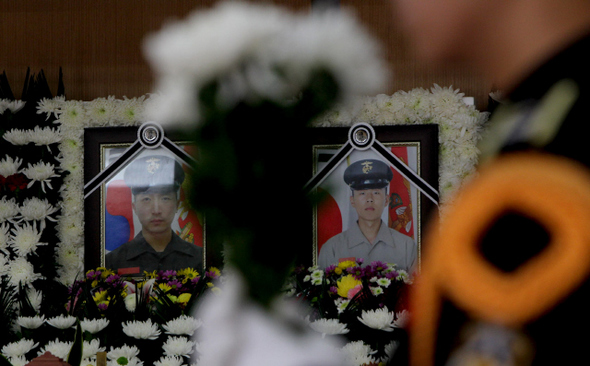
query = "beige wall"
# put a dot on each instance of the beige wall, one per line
(97, 43)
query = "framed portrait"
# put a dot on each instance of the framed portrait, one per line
(410, 152)
(113, 167)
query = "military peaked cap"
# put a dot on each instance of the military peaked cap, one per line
(368, 174)
(153, 172)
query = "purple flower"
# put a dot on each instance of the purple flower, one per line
(167, 274)
(378, 265)
(391, 275)
(196, 280)
(330, 269)
(333, 289)
(102, 306)
(93, 274)
(112, 278)
(175, 284)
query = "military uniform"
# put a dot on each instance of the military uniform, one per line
(544, 115)
(389, 246)
(155, 174)
(137, 256)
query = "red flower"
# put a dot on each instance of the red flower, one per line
(16, 182)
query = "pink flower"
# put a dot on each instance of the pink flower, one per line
(353, 291)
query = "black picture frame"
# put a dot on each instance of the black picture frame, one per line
(97, 139)
(424, 136)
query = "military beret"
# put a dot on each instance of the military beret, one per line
(368, 174)
(153, 172)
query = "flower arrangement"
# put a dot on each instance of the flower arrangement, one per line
(146, 320)
(364, 303)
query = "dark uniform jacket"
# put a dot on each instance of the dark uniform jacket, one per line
(556, 97)
(137, 256)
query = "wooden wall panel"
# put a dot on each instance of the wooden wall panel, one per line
(97, 43)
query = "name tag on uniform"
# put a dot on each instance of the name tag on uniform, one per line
(129, 270)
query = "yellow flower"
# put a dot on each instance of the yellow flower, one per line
(153, 274)
(209, 284)
(215, 270)
(347, 283)
(100, 296)
(184, 298)
(216, 290)
(189, 273)
(105, 272)
(164, 287)
(346, 264)
(338, 270)
(173, 298)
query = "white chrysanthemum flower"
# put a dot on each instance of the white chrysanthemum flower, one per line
(57, 348)
(10, 166)
(130, 303)
(22, 272)
(18, 361)
(381, 319)
(391, 347)
(125, 361)
(131, 111)
(341, 304)
(178, 346)
(8, 210)
(257, 41)
(17, 137)
(91, 348)
(129, 352)
(384, 282)
(404, 276)
(19, 348)
(376, 290)
(50, 106)
(329, 326)
(94, 326)
(25, 239)
(72, 163)
(90, 361)
(36, 209)
(15, 105)
(44, 136)
(30, 322)
(4, 236)
(4, 268)
(358, 353)
(169, 361)
(182, 325)
(40, 172)
(402, 319)
(101, 111)
(141, 330)
(35, 298)
(73, 114)
(62, 321)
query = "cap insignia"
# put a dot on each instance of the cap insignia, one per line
(367, 166)
(153, 165)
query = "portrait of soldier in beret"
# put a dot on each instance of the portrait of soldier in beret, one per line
(155, 182)
(369, 238)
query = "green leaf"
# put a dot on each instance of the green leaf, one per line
(4, 361)
(75, 355)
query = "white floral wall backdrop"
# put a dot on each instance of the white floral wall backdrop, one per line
(41, 175)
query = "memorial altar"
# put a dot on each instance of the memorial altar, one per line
(353, 311)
